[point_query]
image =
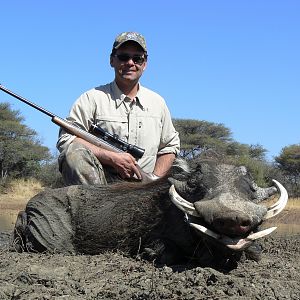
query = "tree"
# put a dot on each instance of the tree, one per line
(258, 152)
(20, 151)
(49, 174)
(288, 162)
(198, 136)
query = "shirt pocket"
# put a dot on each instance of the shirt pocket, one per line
(114, 125)
(150, 134)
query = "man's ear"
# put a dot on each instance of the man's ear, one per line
(145, 66)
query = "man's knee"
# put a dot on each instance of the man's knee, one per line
(77, 155)
(79, 165)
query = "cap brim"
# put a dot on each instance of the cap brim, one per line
(130, 40)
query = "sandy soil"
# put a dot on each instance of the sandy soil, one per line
(115, 276)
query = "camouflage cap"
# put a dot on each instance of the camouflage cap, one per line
(130, 36)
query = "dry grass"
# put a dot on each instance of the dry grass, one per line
(293, 203)
(288, 221)
(19, 192)
(14, 199)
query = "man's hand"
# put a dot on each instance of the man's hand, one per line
(126, 165)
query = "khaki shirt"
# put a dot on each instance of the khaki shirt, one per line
(144, 122)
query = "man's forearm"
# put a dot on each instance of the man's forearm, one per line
(100, 153)
(123, 162)
(163, 164)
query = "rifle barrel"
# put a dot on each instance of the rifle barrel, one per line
(72, 129)
(7, 91)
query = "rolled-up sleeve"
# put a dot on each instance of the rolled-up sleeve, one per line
(80, 116)
(169, 142)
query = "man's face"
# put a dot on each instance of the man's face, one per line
(129, 62)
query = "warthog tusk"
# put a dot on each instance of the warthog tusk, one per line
(241, 244)
(236, 244)
(276, 208)
(181, 203)
(206, 231)
(279, 200)
(260, 234)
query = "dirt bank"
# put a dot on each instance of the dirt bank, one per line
(114, 276)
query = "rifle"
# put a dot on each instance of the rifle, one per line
(107, 141)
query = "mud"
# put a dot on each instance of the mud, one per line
(114, 276)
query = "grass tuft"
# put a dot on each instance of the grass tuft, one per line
(18, 192)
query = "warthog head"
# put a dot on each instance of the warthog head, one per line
(222, 202)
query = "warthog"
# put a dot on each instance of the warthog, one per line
(206, 211)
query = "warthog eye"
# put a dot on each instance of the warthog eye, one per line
(245, 223)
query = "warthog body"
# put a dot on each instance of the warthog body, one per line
(141, 219)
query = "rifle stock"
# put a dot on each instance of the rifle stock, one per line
(70, 128)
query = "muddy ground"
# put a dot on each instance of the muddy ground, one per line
(115, 276)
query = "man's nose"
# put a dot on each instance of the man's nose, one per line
(130, 61)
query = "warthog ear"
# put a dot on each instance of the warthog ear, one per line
(259, 194)
(182, 187)
(264, 193)
(242, 170)
(180, 169)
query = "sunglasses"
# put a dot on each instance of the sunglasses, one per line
(137, 59)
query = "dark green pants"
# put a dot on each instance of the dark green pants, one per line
(78, 165)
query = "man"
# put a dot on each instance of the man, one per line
(123, 107)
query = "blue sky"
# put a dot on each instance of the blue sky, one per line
(230, 62)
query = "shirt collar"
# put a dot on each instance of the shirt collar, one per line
(120, 96)
(139, 96)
